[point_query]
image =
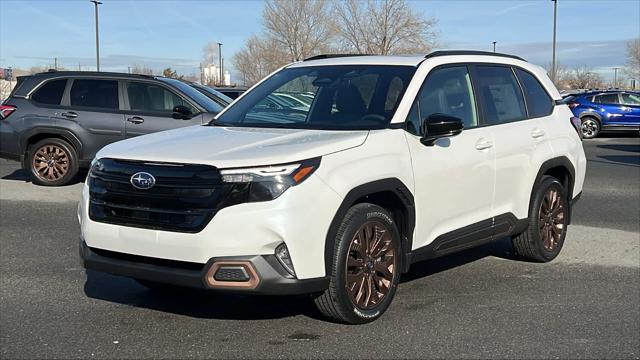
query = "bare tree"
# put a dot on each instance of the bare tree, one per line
(583, 77)
(563, 76)
(383, 27)
(632, 68)
(141, 69)
(303, 27)
(258, 58)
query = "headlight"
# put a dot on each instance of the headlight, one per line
(268, 182)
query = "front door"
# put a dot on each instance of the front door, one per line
(631, 107)
(454, 178)
(151, 107)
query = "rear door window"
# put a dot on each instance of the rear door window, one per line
(502, 99)
(50, 93)
(100, 94)
(606, 99)
(538, 100)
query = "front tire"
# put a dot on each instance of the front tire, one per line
(366, 266)
(548, 221)
(52, 162)
(590, 127)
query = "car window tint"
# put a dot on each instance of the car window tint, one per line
(94, 93)
(414, 125)
(393, 94)
(50, 93)
(538, 101)
(607, 99)
(501, 95)
(153, 98)
(630, 99)
(448, 91)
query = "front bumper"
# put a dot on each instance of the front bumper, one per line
(270, 277)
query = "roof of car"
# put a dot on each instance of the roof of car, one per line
(30, 82)
(359, 59)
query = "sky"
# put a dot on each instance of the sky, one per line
(167, 33)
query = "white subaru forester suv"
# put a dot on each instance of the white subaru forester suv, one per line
(333, 175)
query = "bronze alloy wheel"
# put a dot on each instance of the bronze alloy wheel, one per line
(551, 219)
(371, 264)
(50, 162)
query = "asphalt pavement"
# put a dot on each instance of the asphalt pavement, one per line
(478, 304)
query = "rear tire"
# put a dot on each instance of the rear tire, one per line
(366, 266)
(590, 127)
(548, 220)
(52, 162)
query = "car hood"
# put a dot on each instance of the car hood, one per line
(225, 147)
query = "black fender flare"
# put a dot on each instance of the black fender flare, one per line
(592, 114)
(394, 185)
(562, 161)
(67, 135)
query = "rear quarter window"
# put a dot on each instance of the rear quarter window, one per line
(50, 93)
(538, 100)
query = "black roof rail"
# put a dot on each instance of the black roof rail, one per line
(329, 56)
(52, 72)
(469, 52)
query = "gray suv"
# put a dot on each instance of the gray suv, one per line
(55, 122)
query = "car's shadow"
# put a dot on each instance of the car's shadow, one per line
(18, 175)
(634, 148)
(22, 175)
(211, 305)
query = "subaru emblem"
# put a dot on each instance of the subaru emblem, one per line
(142, 180)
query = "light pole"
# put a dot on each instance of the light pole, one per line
(494, 46)
(615, 77)
(220, 79)
(553, 56)
(96, 3)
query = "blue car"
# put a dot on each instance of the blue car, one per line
(609, 110)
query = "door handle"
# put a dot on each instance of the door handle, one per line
(135, 120)
(483, 144)
(537, 133)
(69, 114)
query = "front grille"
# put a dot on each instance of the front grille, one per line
(184, 198)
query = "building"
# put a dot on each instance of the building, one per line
(211, 75)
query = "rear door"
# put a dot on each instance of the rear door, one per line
(521, 141)
(150, 108)
(92, 107)
(631, 108)
(610, 105)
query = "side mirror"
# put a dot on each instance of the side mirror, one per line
(181, 112)
(437, 126)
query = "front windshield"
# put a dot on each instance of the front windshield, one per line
(339, 97)
(194, 94)
(215, 95)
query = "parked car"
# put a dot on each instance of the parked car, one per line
(55, 122)
(219, 98)
(400, 159)
(232, 92)
(606, 111)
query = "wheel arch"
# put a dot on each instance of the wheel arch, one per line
(391, 194)
(560, 168)
(39, 133)
(592, 114)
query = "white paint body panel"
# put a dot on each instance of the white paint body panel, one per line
(453, 183)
